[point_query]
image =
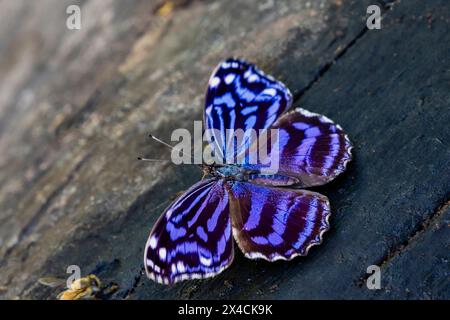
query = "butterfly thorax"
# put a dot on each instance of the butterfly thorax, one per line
(227, 172)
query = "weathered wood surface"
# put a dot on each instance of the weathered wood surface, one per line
(76, 107)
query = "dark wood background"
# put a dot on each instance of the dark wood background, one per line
(76, 108)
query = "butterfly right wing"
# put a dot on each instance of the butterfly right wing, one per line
(311, 150)
(192, 238)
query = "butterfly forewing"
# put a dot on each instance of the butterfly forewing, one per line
(192, 239)
(240, 96)
(311, 150)
(277, 223)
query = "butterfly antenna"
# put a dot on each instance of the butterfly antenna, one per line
(169, 146)
(160, 141)
(152, 160)
(166, 144)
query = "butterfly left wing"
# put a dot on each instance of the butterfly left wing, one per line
(240, 96)
(192, 238)
(277, 223)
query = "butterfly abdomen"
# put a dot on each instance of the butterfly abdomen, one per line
(272, 179)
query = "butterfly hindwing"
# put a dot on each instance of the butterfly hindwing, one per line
(240, 96)
(192, 238)
(277, 223)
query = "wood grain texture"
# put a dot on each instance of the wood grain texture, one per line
(76, 108)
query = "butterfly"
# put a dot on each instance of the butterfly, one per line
(270, 216)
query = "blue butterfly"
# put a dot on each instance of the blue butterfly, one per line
(267, 214)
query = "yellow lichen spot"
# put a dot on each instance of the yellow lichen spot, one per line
(165, 9)
(83, 288)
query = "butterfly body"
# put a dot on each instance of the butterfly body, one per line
(231, 172)
(264, 211)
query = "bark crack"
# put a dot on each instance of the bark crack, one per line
(134, 285)
(420, 229)
(385, 6)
